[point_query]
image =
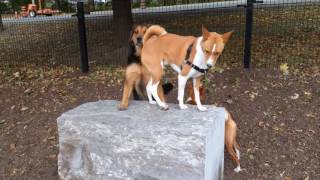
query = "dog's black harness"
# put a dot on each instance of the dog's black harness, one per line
(195, 67)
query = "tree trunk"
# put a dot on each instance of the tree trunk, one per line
(122, 22)
(58, 5)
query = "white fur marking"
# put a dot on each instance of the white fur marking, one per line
(199, 58)
(226, 116)
(176, 68)
(165, 32)
(182, 80)
(214, 48)
(154, 92)
(238, 153)
(149, 94)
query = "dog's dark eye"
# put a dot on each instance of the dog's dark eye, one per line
(216, 53)
(207, 52)
(136, 32)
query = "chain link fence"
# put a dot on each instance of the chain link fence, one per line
(283, 31)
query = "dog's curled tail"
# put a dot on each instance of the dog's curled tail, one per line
(154, 30)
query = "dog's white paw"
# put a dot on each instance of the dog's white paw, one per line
(237, 169)
(202, 108)
(153, 102)
(165, 107)
(183, 106)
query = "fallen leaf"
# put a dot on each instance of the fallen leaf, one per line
(13, 172)
(12, 146)
(261, 123)
(287, 178)
(229, 101)
(27, 91)
(52, 156)
(51, 138)
(251, 156)
(276, 128)
(295, 96)
(24, 108)
(16, 74)
(284, 68)
(267, 164)
(307, 93)
(310, 115)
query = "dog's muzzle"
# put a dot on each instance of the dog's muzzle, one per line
(139, 41)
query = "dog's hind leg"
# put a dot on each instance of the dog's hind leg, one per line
(233, 156)
(154, 92)
(149, 93)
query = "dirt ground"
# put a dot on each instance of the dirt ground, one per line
(277, 116)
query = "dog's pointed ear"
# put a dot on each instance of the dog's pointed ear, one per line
(226, 36)
(205, 32)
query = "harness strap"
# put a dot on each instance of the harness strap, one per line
(203, 71)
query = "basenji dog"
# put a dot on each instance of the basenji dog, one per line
(136, 76)
(190, 56)
(231, 143)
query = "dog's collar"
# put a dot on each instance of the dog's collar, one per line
(195, 67)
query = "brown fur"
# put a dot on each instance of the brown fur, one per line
(190, 94)
(230, 126)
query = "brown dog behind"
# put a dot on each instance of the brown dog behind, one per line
(136, 75)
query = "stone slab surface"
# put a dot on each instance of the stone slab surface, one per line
(96, 141)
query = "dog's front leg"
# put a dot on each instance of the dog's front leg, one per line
(196, 86)
(182, 80)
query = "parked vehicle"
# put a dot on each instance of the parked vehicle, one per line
(32, 10)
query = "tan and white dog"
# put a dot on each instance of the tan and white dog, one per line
(190, 56)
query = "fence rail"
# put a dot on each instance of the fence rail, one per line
(268, 32)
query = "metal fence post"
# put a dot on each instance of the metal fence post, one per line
(248, 34)
(82, 38)
(1, 23)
